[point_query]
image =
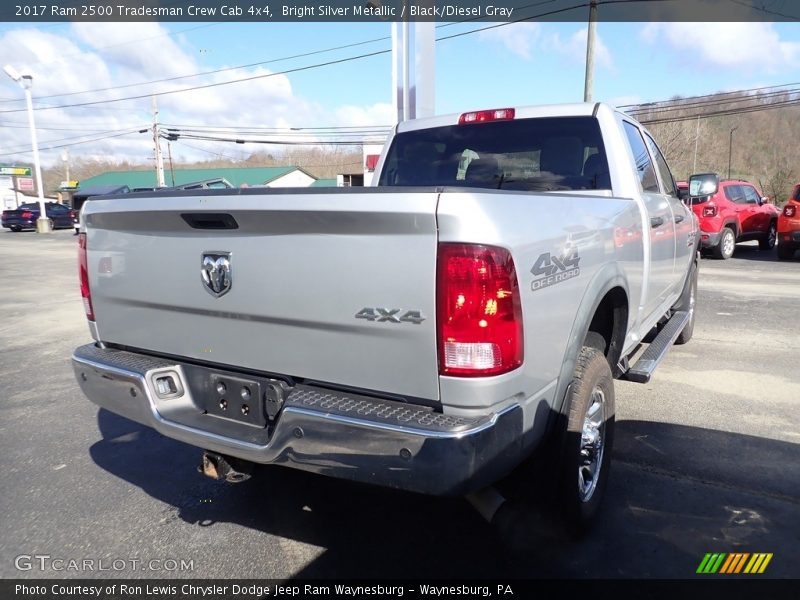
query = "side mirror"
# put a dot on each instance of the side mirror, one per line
(765, 200)
(703, 184)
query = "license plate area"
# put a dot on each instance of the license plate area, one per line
(236, 398)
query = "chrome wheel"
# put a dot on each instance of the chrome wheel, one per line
(728, 243)
(591, 452)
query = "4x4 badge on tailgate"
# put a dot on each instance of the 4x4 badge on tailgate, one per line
(215, 270)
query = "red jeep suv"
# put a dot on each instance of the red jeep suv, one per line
(789, 226)
(731, 211)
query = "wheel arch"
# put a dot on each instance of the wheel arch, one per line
(606, 296)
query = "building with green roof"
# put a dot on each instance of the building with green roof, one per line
(289, 176)
(324, 183)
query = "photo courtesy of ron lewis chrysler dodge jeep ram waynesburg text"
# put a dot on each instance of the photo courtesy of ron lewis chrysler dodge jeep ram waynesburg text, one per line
(429, 333)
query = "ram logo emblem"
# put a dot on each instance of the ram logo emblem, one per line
(215, 271)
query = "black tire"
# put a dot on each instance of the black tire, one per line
(727, 242)
(15, 228)
(767, 242)
(584, 462)
(687, 302)
(785, 252)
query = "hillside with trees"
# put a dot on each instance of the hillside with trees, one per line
(695, 136)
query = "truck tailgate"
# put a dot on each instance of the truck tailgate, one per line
(302, 266)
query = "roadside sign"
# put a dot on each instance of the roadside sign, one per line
(19, 171)
(25, 184)
(6, 182)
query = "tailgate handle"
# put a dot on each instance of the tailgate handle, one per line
(206, 220)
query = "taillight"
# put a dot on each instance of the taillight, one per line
(710, 210)
(789, 210)
(83, 268)
(481, 116)
(479, 313)
(27, 214)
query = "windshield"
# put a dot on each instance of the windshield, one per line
(554, 153)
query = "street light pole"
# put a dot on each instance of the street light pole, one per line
(730, 150)
(588, 82)
(26, 81)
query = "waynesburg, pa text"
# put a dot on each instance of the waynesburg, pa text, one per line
(215, 590)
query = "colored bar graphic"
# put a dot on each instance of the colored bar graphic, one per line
(758, 563)
(703, 563)
(734, 563)
(730, 564)
(741, 562)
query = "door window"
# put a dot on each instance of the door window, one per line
(750, 195)
(643, 164)
(734, 193)
(663, 168)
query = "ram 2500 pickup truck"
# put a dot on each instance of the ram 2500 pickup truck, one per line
(428, 333)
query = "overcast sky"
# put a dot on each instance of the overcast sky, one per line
(513, 65)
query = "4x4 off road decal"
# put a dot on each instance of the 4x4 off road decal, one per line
(550, 270)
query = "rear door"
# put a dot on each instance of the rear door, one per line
(757, 217)
(662, 226)
(681, 214)
(332, 287)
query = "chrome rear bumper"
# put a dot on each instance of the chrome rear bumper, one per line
(333, 433)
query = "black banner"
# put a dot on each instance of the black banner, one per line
(37, 11)
(208, 589)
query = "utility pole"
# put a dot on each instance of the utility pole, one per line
(65, 159)
(730, 150)
(588, 81)
(157, 141)
(171, 168)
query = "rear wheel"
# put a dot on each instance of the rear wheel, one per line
(727, 243)
(586, 453)
(767, 242)
(15, 228)
(785, 252)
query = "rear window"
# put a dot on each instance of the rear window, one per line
(28, 207)
(796, 195)
(554, 153)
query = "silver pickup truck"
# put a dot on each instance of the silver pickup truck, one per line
(428, 333)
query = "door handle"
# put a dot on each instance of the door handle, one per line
(679, 218)
(656, 222)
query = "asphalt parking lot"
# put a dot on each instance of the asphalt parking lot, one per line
(706, 460)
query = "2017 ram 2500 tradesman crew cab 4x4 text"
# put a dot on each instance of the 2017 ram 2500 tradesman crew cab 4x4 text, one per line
(426, 334)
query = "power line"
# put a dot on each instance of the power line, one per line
(313, 66)
(210, 85)
(213, 72)
(97, 139)
(259, 63)
(657, 103)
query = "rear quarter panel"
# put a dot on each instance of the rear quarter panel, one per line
(606, 234)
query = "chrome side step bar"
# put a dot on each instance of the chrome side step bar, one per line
(644, 368)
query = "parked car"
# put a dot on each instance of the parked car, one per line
(789, 226)
(26, 215)
(83, 195)
(683, 190)
(731, 211)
